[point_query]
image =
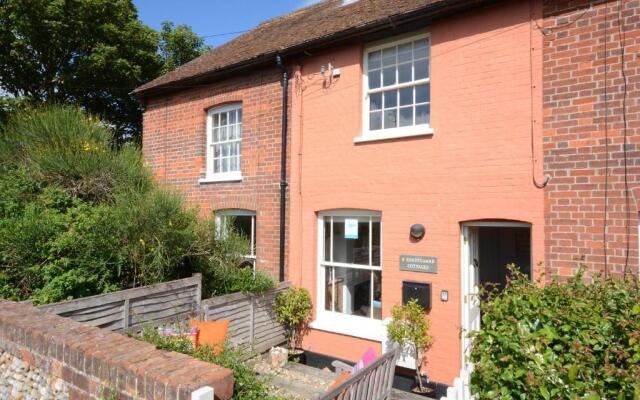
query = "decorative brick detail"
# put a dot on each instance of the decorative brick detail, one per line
(63, 359)
(174, 146)
(574, 136)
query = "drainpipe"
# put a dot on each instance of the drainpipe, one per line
(283, 161)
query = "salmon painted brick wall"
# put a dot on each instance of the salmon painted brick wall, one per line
(575, 136)
(174, 145)
(485, 91)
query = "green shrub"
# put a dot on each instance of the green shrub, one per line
(409, 328)
(247, 386)
(560, 341)
(80, 217)
(293, 310)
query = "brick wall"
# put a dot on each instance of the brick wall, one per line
(61, 358)
(174, 144)
(575, 139)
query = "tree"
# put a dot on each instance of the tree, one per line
(179, 45)
(90, 53)
(409, 328)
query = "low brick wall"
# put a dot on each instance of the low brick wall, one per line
(45, 356)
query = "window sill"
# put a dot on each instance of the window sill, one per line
(393, 134)
(226, 177)
(351, 325)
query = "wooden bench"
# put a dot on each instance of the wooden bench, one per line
(373, 382)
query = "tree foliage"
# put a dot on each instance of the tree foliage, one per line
(79, 216)
(89, 53)
(179, 45)
(560, 341)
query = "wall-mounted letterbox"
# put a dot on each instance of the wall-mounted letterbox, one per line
(417, 290)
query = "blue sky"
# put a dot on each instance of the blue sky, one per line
(210, 17)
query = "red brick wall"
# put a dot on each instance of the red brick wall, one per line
(174, 144)
(94, 363)
(574, 136)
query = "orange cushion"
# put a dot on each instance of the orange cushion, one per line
(211, 333)
(343, 377)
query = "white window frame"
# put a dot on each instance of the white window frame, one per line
(221, 227)
(211, 176)
(398, 132)
(353, 325)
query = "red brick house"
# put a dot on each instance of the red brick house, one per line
(427, 143)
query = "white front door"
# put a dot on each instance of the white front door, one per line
(470, 288)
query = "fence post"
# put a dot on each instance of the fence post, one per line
(125, 315)
(199, 296)
(252, 320)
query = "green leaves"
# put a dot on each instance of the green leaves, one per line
(293, 310)
(562, 341)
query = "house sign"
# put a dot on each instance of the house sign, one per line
(419, 264)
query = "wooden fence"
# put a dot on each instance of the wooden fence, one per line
(131, 309)
(253, 322)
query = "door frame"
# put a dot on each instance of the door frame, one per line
(466, 276)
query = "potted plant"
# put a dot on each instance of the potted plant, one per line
(409, 328)
(293, 310)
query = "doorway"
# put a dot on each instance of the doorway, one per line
(487, 248)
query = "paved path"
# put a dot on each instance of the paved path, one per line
(301, 382)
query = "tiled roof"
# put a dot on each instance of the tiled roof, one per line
(312, 24)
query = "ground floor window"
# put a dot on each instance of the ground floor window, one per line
(242, 222)
(350, 263)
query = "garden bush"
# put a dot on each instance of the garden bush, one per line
(80, 217)
(247, 385)
(562, 341)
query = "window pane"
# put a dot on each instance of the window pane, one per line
(217, 165)
(390, 118)
(216, 119)
(374, 79)
(225, 150)
(375, 60)
(242, 225)
(327, 239)
(223, 134)
(223, 118)
(404, 52)
(406, 96)
(231, 132)
(225, 165)
(389, 76)
(216, 151)
(422, 93)
(375, 243)
(375, 120)
(404, 73)
(420, 49)
(375, 102)
(232, 116)
(422, 114)
(406, 116)
(239, 114)
(390, 99)
(216, 136)
(377, 294)
(353, 291)
(328, 292)
(351, 251)
(239, 131)
(421, 69)
(389, 56)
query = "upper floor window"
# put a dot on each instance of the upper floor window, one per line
(224, 147)
(397, 100)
